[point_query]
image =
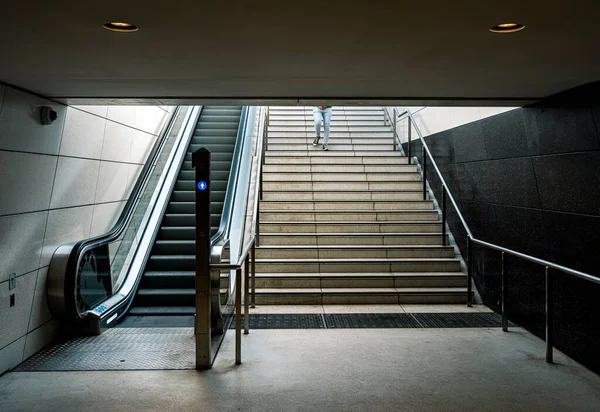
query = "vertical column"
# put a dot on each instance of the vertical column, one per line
(201, 162)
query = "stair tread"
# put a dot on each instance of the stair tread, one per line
(359, 274)
(361, 290)
(357, 260)
(350, 247)
(162, 310)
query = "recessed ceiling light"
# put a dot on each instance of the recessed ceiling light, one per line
(507, 28)
(121, 27)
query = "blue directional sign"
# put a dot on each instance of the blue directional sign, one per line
(202, 185)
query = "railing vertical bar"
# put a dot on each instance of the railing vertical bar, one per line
(409, 141)
(238, 316)
(469, 271)
(253, 255)
(424, 174)
(504, 298)
(247, 295)
(395, 133)
(549, 317)
(444, 216)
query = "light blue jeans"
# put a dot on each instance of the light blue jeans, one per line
(322, 116)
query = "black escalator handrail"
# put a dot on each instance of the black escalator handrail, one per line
(220, 239)
(70, 279)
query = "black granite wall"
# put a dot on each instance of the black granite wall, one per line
(529, 180)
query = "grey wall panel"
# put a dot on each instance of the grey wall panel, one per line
(505, 135)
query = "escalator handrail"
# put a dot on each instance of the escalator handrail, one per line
(221, 238)
(69, 307)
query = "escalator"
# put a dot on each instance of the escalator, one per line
(167, 285)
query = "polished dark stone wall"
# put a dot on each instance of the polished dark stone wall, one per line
(529, 180)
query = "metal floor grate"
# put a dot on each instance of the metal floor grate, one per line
(119, 349)
(459, 320)
(284, 321)
(370, 320)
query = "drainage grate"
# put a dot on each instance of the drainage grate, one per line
(119, 349)
(284, 321)
(459, 320)
(370, 320)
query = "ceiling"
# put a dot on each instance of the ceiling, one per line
(353, 52)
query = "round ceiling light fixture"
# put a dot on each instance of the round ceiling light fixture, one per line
(121, 27)
(507, 28)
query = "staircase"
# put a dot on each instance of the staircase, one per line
(167, 286)
(348, 225)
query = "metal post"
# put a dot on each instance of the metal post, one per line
(202, 322)
(253, 254)
(247, 295)
(409, 141)
(549, 310)
(469, 271)
(443, 215)
(238, 316)
(424, 174)
(385, 115)
(504, 292)
(395, 132)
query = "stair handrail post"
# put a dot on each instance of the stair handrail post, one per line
(409, 140)
(395, 133)
(504, 300)
(549, 317)
(424, 157)
(443, 215)
(469, 270)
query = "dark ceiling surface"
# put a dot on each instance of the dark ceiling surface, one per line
(280, 52)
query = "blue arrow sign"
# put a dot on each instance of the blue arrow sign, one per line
(202, 185)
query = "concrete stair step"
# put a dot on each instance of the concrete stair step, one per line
(359, 168)
(334, 135)
(341, 177)
(352, 215)
(340, 195)
(351, 227)
(344, 159)
(358, 265)
(352, 252)
(334, 128)
(308, 140)
(360, 280)
(351, 239)
(332, 152)
(346, 186)
(347, 205)
(315, 296)
(333, 146)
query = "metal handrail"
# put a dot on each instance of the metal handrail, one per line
(472, 239)
(247, 258)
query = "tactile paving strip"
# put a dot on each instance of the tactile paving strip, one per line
(119, 349)
(459, 320)
(284, 321)
(370, 320)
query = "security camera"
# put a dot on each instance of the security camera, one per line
(48, 115)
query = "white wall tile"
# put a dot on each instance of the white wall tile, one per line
(117, 142)
(40, 313)
(41, 337)
(149, 119)
(21, 241)
(26, 182)
(75, 182)
(141, 145)
(105, 216)
(132, 175)
(97, 110)
(65, 226)
(82, 135)
(21, 128)
(14, 320)
(12, 355)
(112, 182)
(122, 114)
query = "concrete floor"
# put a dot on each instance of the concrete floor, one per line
(333, 370)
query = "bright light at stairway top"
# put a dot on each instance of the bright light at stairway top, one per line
(507, 28)
(121, 27)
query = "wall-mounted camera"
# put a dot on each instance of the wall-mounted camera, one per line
(47, 115)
